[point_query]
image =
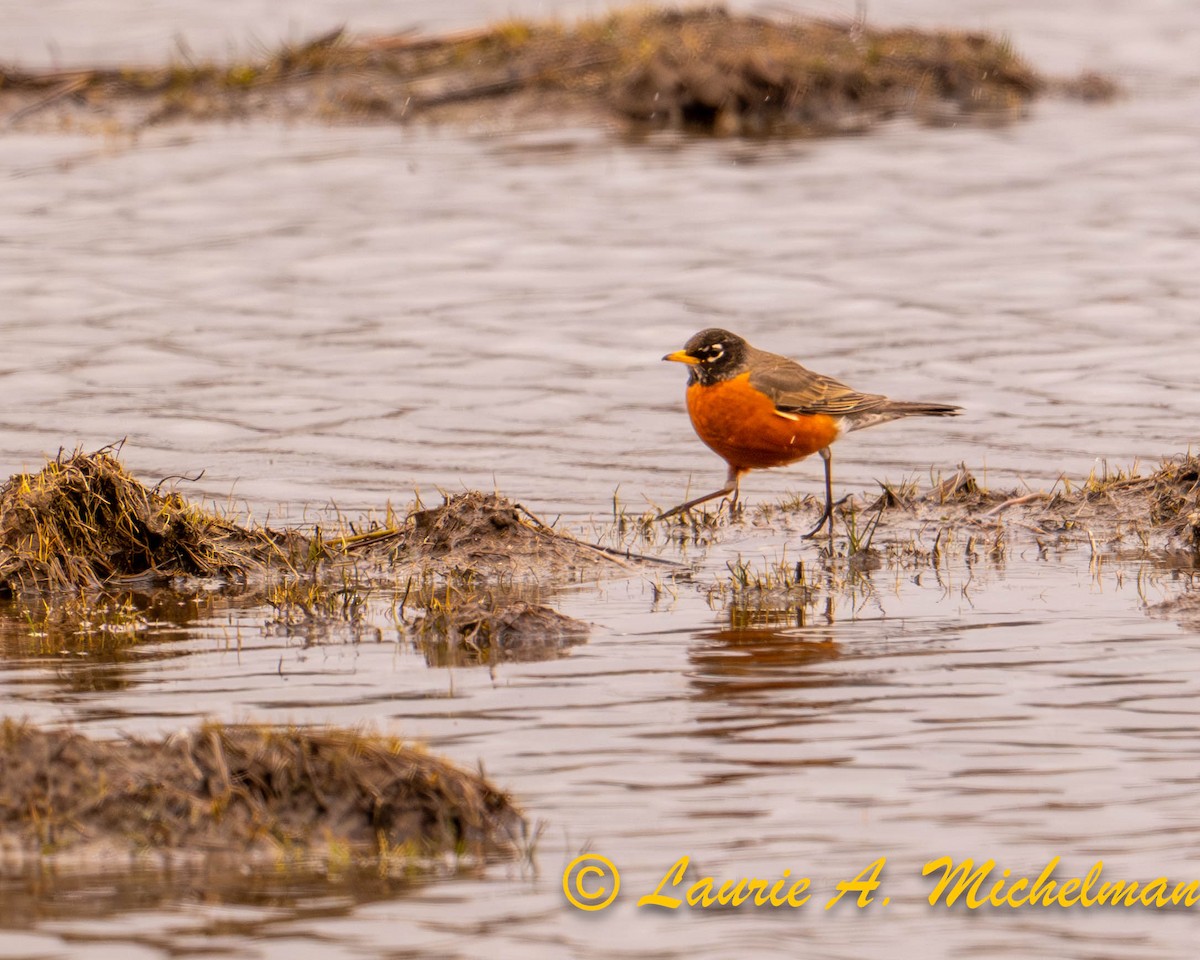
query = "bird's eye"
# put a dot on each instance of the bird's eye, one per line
(715, 352)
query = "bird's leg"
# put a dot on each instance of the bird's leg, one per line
(827, 456)
(731, 486)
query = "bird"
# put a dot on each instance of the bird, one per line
(758, 409)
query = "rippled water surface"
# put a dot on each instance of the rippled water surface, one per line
(320, 315)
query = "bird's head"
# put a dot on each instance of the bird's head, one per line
(712, 355)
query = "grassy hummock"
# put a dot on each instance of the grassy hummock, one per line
(700, 68)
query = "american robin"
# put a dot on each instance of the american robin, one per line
(758, 409)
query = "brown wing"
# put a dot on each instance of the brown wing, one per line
(796, 389)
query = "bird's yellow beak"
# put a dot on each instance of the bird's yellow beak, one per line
(681, 356)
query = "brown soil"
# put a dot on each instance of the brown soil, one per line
(700, 68)
(259, 792)
(474, 532)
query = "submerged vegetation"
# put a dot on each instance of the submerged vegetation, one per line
(256, 793)
(700, 68)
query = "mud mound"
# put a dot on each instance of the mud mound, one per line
(256, 791)
(83, 521)
(485, 533)
(470, 526)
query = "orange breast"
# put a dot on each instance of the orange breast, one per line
(742, 426)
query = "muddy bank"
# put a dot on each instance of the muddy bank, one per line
(702, 69)
(263, 794)
(84, 523)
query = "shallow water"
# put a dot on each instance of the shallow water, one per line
(1020, 713)
(317, 315)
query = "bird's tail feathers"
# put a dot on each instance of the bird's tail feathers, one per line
(896, 409)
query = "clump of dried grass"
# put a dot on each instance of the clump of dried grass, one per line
(1168, 497)
(257, 791)
(83, 521)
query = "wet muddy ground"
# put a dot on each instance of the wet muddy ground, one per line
(325, 316)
